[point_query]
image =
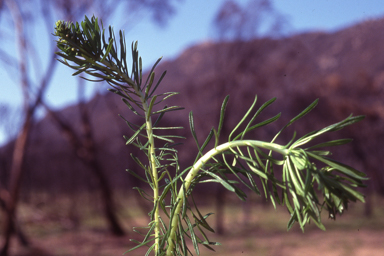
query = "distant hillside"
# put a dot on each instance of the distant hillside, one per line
(345, 69)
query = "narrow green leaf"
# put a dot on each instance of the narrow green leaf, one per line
(149, 85)
(331, 143)
(159, 118)
(136, 175)
(79, 72)
(164, 238)
(318, 223)
(110, 45)
(182, 239)
(92, 80)
(253, 183)
(144, 194)
(149, 233)
(193, 235)
(150, 250)
(140, 245)
(163, 138)
(135, 134)
(169, 128)
(296, 181)
(207, 140)
(221, 181)
(130, 107)
(284, 191)
(258, 172)
(305, 111)
(161, 199)
(153, 68)
(272, 200)
(243, 119)
(151, 106)
(321, 152)
(123, 50)
(132, 126)
(202, 220)
(297, 209)
(266, 104)
(192, 128)
(157, 84)
(346, 122)
(168, 109)
(347, 170)
(206, 242)
(331, 128)
(308, 182)
(266, 122)
(167, 95)
(355, 193)
(117, 92)
(292, 221)
(168, 149)
(221, 120)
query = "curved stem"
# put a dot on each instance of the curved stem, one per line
(200, 163)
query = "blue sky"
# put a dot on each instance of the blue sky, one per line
(191, 25)
(193, 22)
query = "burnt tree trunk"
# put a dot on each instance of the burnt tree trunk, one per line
(375, 176)
(86, 152)
(91, 160)
(4, 201)
(14, 184)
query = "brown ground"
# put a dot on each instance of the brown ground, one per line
(261, 232)
(332, 243)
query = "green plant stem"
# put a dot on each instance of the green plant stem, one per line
(151, 154)
(200, 163)
(151, 148)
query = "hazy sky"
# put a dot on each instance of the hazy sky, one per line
(193, 24)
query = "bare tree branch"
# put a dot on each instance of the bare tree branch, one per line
(254, 19)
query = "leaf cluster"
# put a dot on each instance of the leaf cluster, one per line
(296, 177)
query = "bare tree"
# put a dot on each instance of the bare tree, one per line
(29, 107)
(83, 145)
(256, 18)
(24, 16)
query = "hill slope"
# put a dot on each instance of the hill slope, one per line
(345, 69)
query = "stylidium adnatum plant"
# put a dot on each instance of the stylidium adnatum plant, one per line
(309, 182)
